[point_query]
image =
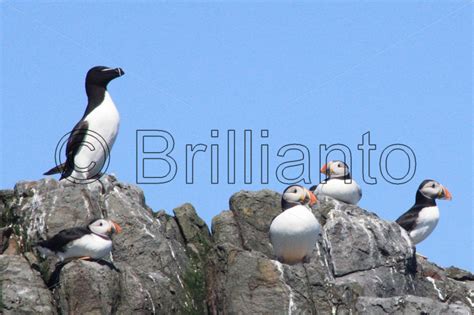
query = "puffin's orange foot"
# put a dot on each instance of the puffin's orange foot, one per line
(85, 258)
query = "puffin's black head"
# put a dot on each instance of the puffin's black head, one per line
(297, 195)
(431, 189)
(335, 169)
(101, 76)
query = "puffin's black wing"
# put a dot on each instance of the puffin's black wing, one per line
(408, 219)
(77, 136)
(60, 240)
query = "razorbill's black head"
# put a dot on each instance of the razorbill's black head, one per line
(297, 195)
(101, 76)
(421, 219)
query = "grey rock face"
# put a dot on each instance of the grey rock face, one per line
(363, 264)
(165, 264)
(22, 289)
(408, 305)
(150, 271)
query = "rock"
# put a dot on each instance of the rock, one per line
(170, 264)
(193, 228)
(408, 305)
(5, 234)
(225, 229)
(362, 264)
(253, 213)
(88, 288)
(154, 265)
(7, 197)
(22, 289)
(459, 274)
(360, 241)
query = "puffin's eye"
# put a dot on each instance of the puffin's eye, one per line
(101, 224)
(433, 186)
(295, 191)
(339, 165)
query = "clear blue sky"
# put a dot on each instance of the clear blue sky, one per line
(311, 74)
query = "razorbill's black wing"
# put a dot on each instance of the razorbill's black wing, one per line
(78, 134)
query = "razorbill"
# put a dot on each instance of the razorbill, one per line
(91, 242)
(338, 184)
(423, 217)
(295, 231)
(92, 138)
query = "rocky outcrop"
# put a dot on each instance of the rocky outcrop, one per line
(362, 264)
(23, 291)
(151, 270)
(165, 264)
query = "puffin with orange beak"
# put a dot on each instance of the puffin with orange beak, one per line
(90, 242)
(295, 232)
(423, 217)
(338, 184)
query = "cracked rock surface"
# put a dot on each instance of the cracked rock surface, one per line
(173, 264)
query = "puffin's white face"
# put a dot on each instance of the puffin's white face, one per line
(434, 190)
(105, 227)
(335, 169)
(297, 194)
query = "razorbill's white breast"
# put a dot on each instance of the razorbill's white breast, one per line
(338, 184)
(295, 231)
(423, 217)
(92, 138)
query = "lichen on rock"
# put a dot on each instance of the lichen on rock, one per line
(168, 264)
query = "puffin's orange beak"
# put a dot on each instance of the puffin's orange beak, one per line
(116, 227)
(312, 198)
(446, 194)
(324, 168)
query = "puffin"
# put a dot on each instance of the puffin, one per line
(90, 242)
(338, 184)
(91, 140)
(421, 219)
(295, 232)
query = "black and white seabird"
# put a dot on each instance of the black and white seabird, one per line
(93, 136)
(91, 242)
(338, 184)
(423, 217)
(295, 231)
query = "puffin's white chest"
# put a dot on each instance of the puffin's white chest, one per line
(294, 234)
(425, 224)
(90, 245)
(103, 125)
(340, 190)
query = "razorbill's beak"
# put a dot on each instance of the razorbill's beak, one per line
(115, 227)
(119, 71)
(445, 194)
